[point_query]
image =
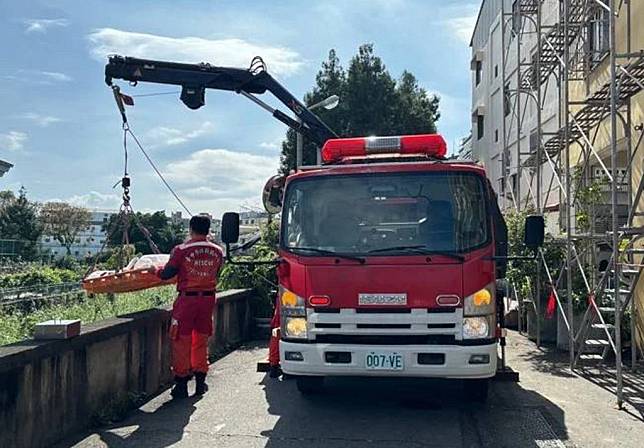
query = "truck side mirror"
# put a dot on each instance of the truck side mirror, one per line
(230, 228)
(272, 194)
(534, 231)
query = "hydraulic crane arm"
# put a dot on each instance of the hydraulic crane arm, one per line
(194, 79)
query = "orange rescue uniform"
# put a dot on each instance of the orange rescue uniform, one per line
(196, 264)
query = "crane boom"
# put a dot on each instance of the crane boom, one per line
(194, 79)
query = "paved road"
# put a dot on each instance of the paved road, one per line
(246, 409)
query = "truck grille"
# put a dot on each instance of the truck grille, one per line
(380, 326)
(437, 339)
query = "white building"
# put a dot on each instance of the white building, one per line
(495, 117)
(250, 223)
(88, 242)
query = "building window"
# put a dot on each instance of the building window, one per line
(534, 141)
(479, 72)
(598, 35)
(496, 71)
(513, 180)
(507, 107)
(496, 135)
(480, 126)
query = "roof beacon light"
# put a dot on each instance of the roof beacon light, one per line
(426, 144)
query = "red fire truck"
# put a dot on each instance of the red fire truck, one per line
(389, 256)
(388, 252)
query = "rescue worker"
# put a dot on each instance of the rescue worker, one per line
(274, 344)
(196, 263)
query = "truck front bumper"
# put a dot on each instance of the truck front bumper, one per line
(457, 360)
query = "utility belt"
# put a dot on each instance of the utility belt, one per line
(196, 293)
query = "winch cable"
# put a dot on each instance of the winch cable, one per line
(126, 208)
(153, 165)
(126, 212)
(119, 98)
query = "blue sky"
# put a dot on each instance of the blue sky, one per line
(60, 128)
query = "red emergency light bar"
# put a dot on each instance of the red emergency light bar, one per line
(425, 144)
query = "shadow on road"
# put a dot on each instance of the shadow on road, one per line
(549, 359)
(377, 412)
(160, 428)
(604, 377)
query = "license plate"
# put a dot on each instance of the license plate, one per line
(382, 299)
(384, 361)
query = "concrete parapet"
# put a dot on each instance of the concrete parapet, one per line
(52, 389)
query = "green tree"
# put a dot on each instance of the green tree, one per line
(19, 221)
(64, 222)
(163, 232)
(372, 102)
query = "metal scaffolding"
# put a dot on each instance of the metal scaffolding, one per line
(570, 46)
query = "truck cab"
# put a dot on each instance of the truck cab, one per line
(388, 257)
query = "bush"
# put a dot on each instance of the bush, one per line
(523, 274)
(261, 278)
(39, 276)
(19, 326)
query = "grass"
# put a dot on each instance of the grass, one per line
(17, 326)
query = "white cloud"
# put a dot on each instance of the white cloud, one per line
(463, 27)
(38, 77)
(41, 120)
(228, 52)
(273, 146)
(218, 174)
(167, 136)
(13, 140)
(42, 25)
(94, 200)
(56, 76)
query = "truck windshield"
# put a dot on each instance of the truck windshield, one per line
(386, 214)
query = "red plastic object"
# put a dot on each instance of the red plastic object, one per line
(427, 144)
(319, 300)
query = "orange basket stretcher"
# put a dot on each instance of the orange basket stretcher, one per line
(139, 274)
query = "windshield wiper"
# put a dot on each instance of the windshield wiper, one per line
(420, 249)
(329, 253)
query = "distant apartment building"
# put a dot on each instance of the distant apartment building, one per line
(87, 244)
(250, 223)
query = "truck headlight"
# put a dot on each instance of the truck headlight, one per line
(293, 315)
(295, 328)
(476, 327)
(291, 304)
(480, 303)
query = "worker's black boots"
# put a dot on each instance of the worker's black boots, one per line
(180, 389)
(274, 371)
(201, 387)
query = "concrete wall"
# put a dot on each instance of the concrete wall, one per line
(52, 389)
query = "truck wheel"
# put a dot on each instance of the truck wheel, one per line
(309, 385)
(476, 390)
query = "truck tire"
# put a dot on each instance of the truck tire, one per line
(476, 390)
(309, 385)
